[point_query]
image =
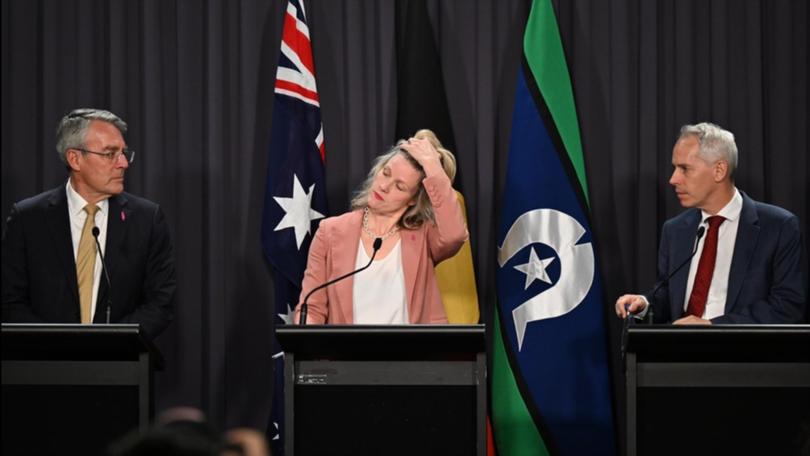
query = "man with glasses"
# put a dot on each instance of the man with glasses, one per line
(52, 268)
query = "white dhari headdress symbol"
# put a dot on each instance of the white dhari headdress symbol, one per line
(559, 231)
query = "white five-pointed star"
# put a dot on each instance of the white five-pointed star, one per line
(535, 268)
(298, 211)
(288, 316)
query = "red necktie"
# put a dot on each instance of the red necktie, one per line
(703, 279)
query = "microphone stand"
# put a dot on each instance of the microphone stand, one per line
(106, 273)
(302, 319)
(628, 320)
(698, 235)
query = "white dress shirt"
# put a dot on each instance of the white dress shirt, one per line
(77, 216)
(726, 239)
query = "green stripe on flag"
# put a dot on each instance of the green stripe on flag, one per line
(543, 49)
(516, 433)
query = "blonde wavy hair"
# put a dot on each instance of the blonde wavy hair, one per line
(422, 211)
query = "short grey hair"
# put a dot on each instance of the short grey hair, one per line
(72, 129)
(715, 143)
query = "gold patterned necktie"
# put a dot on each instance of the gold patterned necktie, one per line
(86, 264)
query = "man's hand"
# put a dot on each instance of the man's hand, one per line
(691, 320)
(629, 303)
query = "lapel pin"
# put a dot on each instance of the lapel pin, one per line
(123, 217)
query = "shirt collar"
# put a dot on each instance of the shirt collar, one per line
(731, 211)
(76, 203)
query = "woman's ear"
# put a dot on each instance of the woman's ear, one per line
(414, 198)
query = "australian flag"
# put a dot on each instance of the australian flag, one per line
(295, 195)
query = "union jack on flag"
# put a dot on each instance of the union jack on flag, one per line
(295, 195)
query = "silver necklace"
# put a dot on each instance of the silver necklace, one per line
(370, 233)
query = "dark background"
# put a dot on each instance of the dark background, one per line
(194, 81)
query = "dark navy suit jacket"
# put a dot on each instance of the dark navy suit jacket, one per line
(767, 280)
(39, 270)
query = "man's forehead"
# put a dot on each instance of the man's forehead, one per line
(103, 131)
(686, 148)
(101, 125)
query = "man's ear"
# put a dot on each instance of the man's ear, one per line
(72, 158)
(720, 170)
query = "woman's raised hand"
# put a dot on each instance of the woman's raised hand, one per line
(424, 153)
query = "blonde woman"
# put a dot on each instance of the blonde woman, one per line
(409, 203)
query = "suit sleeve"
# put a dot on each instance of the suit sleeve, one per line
(315, 275)
(660, 300)
(156, 310)
(446, 237)
(786, 298)
(16, 299)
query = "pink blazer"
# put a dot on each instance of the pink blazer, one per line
(333, 252)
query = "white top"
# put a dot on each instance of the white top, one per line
(726, 238)
(379, 291)
(77, 216)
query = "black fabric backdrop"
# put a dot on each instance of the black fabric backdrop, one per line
(194, 80)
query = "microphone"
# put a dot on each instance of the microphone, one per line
(106, 274)
(629, 319)
(698, 235)
(302, 320)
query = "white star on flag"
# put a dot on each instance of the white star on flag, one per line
(298, 211)
(535, 268)
(288, 316)
(278, 434)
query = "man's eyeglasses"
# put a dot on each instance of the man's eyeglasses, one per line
(129, 154)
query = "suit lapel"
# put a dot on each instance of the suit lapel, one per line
(411, 240)
(744, 246)
(345, 242)
(118, 213)
(58, 221)
(683, 244)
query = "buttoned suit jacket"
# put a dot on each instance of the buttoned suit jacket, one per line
(767, 280)
(39, 268)
(333, 253)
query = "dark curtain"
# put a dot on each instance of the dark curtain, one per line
(194, 81)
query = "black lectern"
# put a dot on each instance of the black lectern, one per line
(718, 389)
(412, 389)
(73, 389)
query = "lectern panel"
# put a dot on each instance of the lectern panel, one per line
(62, 419)
(371, 390)
(73, 389)
(366, 420)
(718, 389)
(697, 421)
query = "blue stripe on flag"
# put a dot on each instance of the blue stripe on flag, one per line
(550, 280)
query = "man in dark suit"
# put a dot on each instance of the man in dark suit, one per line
(51, 269)
(748, 268)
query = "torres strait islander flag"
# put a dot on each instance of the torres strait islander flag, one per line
(550, 381)
(295, 195)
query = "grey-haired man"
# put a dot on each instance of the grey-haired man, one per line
(748, 268)
(51, 267)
